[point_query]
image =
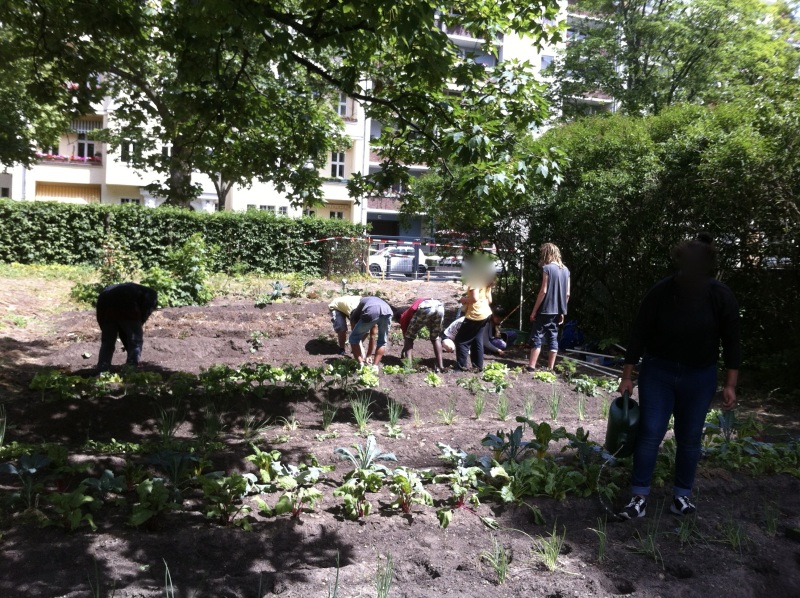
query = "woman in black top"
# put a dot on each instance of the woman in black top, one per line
(681, 323)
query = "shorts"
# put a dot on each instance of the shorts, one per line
(363, 328)
(545, 327)
(430, 314)
(339, 321)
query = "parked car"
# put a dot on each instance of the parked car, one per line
(398, 259)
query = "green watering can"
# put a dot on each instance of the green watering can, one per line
(623, 423)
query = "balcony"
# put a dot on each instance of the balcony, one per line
(388, 202)
(70, 160)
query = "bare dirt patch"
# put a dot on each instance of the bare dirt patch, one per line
(291, 557)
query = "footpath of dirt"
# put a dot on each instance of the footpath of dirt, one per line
(288, 557)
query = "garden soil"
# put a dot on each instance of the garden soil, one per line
(298, 557)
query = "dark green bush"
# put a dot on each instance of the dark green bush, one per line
(56, 233)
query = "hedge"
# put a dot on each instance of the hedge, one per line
(58, 233)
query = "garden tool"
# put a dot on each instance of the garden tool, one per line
(623, 423)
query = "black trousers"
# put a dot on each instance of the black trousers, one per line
(469, 340)
(131, 334)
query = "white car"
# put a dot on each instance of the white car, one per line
(398, 260)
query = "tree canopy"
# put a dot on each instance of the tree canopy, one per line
(242, 89)
(649, 55)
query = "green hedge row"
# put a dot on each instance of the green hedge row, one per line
(57, 233)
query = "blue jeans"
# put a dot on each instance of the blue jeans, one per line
(362, 328)
(667, 388)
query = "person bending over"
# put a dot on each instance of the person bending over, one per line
(370, 311)
(122, 310)
(681, 323)
(422, 313)
(341, 308)
(551, 305)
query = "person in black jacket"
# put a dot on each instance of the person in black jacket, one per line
(681, 323)
(122, 310)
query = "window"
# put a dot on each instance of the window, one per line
(309, 213)
(547, 60)
(342, 106)
(267, 208)
(130, 200)
(283, 211)
(5, 192)
(337, 165)
(166, 150)
(251, 207)
(337, 215)
(51, 150)
(574, 35)
(396, 189)
(128, 150)
(85, 146)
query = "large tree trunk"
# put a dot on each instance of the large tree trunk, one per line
(180, 190)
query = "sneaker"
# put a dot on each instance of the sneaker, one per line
(681, 505)
(637, 507)
(342, 351)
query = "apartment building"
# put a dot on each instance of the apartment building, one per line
(80, 170)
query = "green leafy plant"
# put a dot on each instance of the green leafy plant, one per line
(106, 484)
(567, 368)
(498, 557)
(184, 280)
(448, 414)
(296, 483)
(407, 486)
(69, 508)
(496, 374)
(367, 476)
(26, 471)
(544, 376)
(543, 435)
(256, 340)
(368, 377)
(224, 496)
(587, 386)
(463, 481)
(360, 406)
(433, 379)
(472, 384)
(266, 463)
(392, 369)
(506, 445)
(154, 502)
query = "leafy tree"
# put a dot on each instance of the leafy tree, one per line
(241, 89)
(649, 55)
(634, 187)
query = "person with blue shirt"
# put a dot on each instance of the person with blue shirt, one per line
(550, 307)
